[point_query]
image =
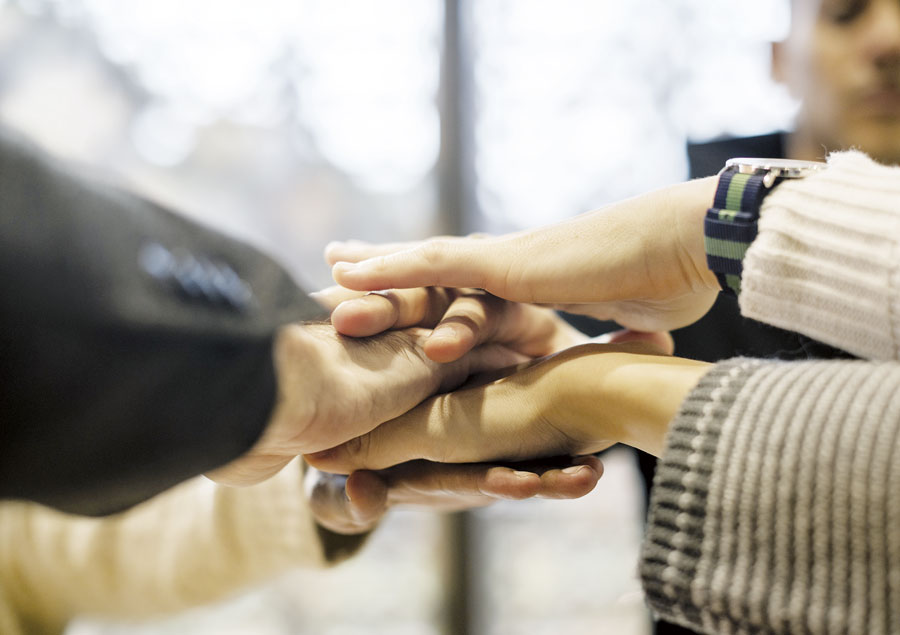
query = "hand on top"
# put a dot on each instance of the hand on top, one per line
(640, 262)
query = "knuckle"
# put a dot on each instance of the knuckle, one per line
(435, 252)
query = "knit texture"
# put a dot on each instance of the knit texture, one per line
(774, 507)
(195, 544)
(826, 261)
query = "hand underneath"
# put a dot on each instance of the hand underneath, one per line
(579, 401)
(333, 388)
(355, 504)
(640, 262)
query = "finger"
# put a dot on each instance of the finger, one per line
(417, 481)
(449, 262)
(470, 320)
(379, 311)
(528, 329)
(478, 317)
(661, 340)
(367, 495)
(564, 478)
(346, 505)
(453, 487)
(356, 250)
(574, 481)
(331, 297)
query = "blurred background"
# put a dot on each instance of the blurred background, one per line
(291, 123)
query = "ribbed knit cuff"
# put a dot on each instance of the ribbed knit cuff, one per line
(672, 545)
(774, 507)
(826, 261)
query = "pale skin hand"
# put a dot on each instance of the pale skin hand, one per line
(355, 504)
(461, 319)
(333, 388)
(640, 262)
(579, 401)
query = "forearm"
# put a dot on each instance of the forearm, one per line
(773, 509)
(626, 397)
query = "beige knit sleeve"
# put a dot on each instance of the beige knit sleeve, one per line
(776, 506)
(194, 544)
(826, 261)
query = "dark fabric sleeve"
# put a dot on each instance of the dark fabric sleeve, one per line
(135, 346)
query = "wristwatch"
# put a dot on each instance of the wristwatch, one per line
(730, 224)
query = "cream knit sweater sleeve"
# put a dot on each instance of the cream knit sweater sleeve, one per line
(826, 262)
(195, 544)
(775, 507)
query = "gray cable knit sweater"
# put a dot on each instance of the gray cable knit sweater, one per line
(775, 507)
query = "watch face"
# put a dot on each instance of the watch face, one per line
(782, 168)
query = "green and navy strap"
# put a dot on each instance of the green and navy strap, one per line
(730, 225)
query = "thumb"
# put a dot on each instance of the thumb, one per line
(346, 505)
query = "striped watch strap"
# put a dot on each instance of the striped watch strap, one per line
(730, 224)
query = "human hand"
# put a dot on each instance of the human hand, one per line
(640, 262)
(579, 401)
(461, 319)
(333, 388)
(356, 503)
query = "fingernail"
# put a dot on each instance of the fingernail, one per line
(521, 474)
(575, 469)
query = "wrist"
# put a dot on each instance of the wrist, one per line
(659, 387)
(731, 222)
(689, 202)
(624, 394)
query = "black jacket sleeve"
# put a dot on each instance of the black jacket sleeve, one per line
(135, 346)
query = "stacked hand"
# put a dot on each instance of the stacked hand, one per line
(576, 402)
(641, 263)
(468, 318)
(491, 420)
(333, 388)
(470, 306)
(356, 503)
(460, 319)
